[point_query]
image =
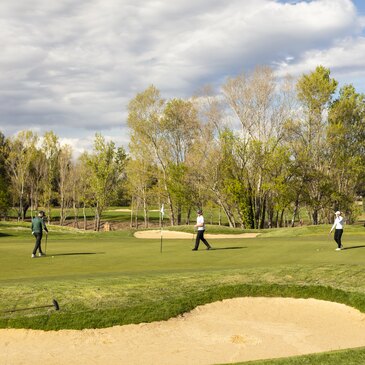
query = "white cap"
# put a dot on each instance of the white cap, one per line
(338, 212)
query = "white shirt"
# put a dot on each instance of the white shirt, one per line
(200, 220)
(338, 223)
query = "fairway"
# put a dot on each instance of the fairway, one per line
(113, 278)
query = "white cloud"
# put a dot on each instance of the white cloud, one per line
(73, 65)
(346, 60)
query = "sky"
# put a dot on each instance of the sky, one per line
(72, 66)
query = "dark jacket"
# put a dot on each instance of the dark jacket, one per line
(38, 225)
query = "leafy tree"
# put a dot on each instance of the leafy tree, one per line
(5, 198)
(147, 139)
(311, 150)
(106, 165)
(166, 133)
(21, 153)
(37, 178)
(346, 135)
(65, 180)
(50, 148)
(262, 106)
(180, 128)
(82, 193)
(142, 177)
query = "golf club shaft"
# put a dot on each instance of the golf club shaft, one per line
(23, 309)
(54, 301)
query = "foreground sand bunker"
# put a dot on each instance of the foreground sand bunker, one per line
(155, 233)
(228, 331)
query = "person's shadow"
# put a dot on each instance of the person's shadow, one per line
(353, 247)
(227, 248)
(76, 253)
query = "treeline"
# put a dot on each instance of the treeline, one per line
(41, 173)
(260, 150)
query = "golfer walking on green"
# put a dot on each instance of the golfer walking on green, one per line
(200, 233)
(38, 226)
(338, 227)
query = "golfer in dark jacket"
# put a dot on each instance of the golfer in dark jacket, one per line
(38, 226)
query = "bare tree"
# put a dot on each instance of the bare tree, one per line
(65, 180)
(22, 152)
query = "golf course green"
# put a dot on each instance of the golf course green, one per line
(101, 279)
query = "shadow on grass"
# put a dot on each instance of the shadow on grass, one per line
(352, 247)
(227, 248)
(5, 234)
(76, 253)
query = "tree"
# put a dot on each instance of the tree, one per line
(346, 135)
(262, 107)
(106, 165)
(5, 202)
(37, 178)
(181, 129)
(144, 121)
(82, 193)
(166, 132)
(65, 180)
(18, 162)
(50, 148)
(142, 177)
(310, 149)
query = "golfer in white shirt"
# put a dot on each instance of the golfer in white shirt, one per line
(200, 233)
(338, 227)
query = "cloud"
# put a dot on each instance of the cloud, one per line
(72, 66)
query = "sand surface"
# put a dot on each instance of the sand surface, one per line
(222, 332)
(156, 233)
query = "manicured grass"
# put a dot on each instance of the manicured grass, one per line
(348, 357)
(107, 278)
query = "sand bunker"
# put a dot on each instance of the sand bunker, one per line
(232, 330)
(184, 235)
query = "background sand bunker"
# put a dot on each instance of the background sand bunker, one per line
(156, 233)
(228, 331)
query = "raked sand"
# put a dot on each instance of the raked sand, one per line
(222, 332)
(156, 233)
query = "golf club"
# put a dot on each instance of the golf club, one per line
(45, 247)
(54, 304)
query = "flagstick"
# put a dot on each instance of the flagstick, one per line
(161, 233)
(161, 225)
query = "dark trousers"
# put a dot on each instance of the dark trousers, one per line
(200, 237)
(38, 241)
(337, 237)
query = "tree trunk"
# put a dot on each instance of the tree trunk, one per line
(281, 218)
(188, 216)
(131, 221)
(136, 217)
(24, 212)
(263, 213)
(295, 212)
(84, 213)
(315, 217)
(76, 215)
(229, 215)
(145, 213)
(172, 213)
(179, 214)
(62, 213)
